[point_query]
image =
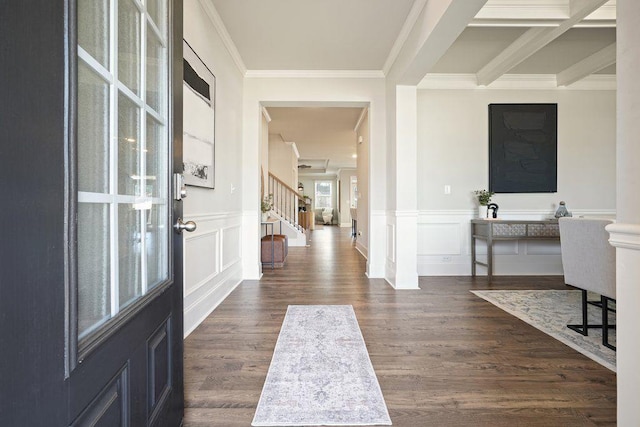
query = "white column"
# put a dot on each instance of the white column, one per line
(402, 227)
(251, 161)
(625, 234)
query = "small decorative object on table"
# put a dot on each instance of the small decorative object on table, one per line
(484, 197)
(562, 210)
(494, 210)
(265, 206)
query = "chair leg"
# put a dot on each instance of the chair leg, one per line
(605, 323)
(584, 327)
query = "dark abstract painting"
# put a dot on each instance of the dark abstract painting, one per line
(523, 147)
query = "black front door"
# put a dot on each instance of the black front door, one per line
(91, 269)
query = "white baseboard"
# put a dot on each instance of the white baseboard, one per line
(364, 251)
(216, 293)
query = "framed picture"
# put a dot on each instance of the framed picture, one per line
(523, 148)
(199, 108)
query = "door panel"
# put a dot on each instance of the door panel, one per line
(34, 131)
(110, 407)
(88, 339)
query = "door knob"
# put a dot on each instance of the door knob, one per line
(189, 226)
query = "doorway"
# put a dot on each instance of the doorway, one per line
(331, 148)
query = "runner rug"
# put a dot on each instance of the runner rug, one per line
(551, 311)
(321, 373)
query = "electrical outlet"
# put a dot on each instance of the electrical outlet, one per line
(446, 259)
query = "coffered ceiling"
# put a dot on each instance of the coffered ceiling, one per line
(563, 42)
(325, 136)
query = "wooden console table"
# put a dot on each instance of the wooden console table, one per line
(492, 230)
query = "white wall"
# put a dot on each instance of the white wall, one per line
(283, 161)
(362, 238)
(307, 182)
(264, 156)
(453, 150)
(212, 264)
(345, 189)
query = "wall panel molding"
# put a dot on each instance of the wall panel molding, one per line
(196, 249)
(213, 255)
(230, 239)
(444, 244)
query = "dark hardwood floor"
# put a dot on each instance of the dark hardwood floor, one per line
(443, 356)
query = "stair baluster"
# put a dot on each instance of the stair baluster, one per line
(285, 201)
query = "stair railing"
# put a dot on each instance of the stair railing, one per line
(285, 201)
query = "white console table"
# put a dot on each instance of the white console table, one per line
(491, 230)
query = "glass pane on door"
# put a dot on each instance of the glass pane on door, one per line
(129, 60)
(94, 266)
(129, 146)
(93, 131)
(93, 29)
(156, 159)
(157, 226)
(158, 13)
(156, 71)
(129, 253)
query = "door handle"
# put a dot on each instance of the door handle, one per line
(189, 226)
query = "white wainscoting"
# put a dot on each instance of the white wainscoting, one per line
(444, 245)
(212, 264)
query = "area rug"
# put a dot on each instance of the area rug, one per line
(551, 311)
(321, 373)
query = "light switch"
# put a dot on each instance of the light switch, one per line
(447, 189)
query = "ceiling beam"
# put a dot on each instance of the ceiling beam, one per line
(532, 41)
(540, 13)
(413, 16)
(591, 64)
(438, 25)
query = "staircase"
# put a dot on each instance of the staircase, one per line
(285, 207)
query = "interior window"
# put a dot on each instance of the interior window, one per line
(323, 194)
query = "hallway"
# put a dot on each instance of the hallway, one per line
(443, 356)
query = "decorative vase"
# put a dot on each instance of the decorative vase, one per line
(482, 211)
(265, 216)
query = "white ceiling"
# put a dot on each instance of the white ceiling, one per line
(313, 34)
(477, 46)
(567, 40)
(321, 134)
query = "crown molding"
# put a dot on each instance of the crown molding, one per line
(294, 147)
(314, 74)
(266, 115)
(360, 119)
(408, 25)
(516, 82)
(219, 26)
